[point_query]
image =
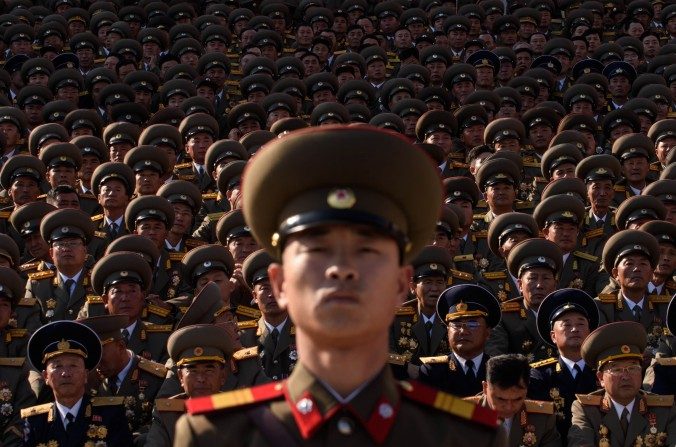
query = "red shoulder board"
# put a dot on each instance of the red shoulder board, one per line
(448, 403)
(237, 398)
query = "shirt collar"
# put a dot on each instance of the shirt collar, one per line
(430, 319)
(279, 327)
(117, 221)
(475, 360)
(64, 410)
(620, 408)
(571, 364)
(631, 303)
(75, 277)
(122, 374)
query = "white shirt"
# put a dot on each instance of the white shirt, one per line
(565, 258)
(170, 247)
(632, 304)
(652, 288)
(131, 328)
(75, 278)
(122, 374)
(430, 319)
(620, 408)
(117, 221)
(571, 365)
(597, 218)
(476, 361)
(64, 410)
(635, 191)
(278, 327)
(507, 423)
(199, 168)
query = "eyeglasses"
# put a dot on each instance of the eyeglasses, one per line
(469, 325)
(629, 370)
(67, 244)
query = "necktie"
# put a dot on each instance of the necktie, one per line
(112, 384)
(624, 420)
(69, 287)
(69, 420)
(428, 331)
(576, 371)
(125, 334)
(113, 230)
(471, 376)
(637, 312)
(274, 337)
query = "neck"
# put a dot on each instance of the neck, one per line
(600, 211)
(426, 310)
(619, 99)
(658, 280)
(275, 319)
(497, 210)
(624, 402)
(469, 355)
(634, 295)
(123, 362)
(113, 213)
(570, 353)
(68, 401)
(637, 185)
(69, 271)
(174, 238)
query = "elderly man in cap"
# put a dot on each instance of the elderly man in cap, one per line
(499, 180)
(565, 319)
(201, 353)
(620, 413)
(65, 352)
(470, 312)
(112, 183)
(123, 373)
(344, 239)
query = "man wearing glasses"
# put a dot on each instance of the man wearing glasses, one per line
(470, 312)
(620, 413)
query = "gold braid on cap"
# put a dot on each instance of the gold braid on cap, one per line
(619, 356)
(206, 358)
(63, 347)
(466, 313)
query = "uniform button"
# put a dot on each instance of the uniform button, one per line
(345, 426)
(275, 362)
(70, 311)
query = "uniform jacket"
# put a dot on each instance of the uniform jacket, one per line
(277, 361)
(165, 414)
(15, 394)
(445, 373)
(52, 295)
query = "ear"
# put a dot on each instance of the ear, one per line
(276, 275)
(484, 385)
(552, 336)
(599, 377)
(518, 284)
(613, 272)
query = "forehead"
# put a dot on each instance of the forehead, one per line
(621, 363)
(65, 358)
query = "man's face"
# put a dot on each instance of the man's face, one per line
(34, 114)
(563, 234)
(667, 260)
(118, 151)
(265, 298)
(148, 181)
(89, 164)
(437, 70)
(569, 331)
(153, 229)
(66, 376)
(202, 379)
(635, 169)
(457, 38)
(621, 379)
(69, 253)
(182, 219)
(500, 195)
(600, 193)
(61, 175)
(633, 272)
(410, 121)
(311, 65)
(197, 146)
(85, 56)
(389, 24)
(468, 336)
(538, 41)
(505, 401)
(340, 284)
(428, 289)
(304, 36)
(473, 135)
(242, 246)
(112, 355)
(509, 241)
(535, 284)
(124, 298)
(323, 96)
(564, 170)
(68, 93)
(582, 108)
(375, 71)
(462, 90)
(540, 136)
(113, 195)
(37, 247)
(442, 139)
(221, 279)
(65, 200)
(24, 190)
(619, 86)
(507, 144)
(651, 45)
(402, 39)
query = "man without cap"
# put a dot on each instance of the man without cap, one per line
(123, 373)
(620, 413)
(565, 319)
(527, 422)
(470, 312)
(65, 352)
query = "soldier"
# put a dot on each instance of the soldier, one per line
(661, 374)
(464, 193)
(565, 319)
(150, 167)
(199, 132)
(26, 221)
(662, 283)
(535, 263)
(201, 353)
(338, 222)
(620, 413)
(112, 183)
(527, 422)
(634, 152)
(167, 138)
(663, 134)
(499, 180)
(123, 373)
(186, 199)
(470, 312)
(274, 336)
(212, 263)
(65, 352)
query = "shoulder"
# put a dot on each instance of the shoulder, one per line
(513, 305)
(245, 353)
(594, 399)
(539, 406)
(606, 298)
(659, 400)
(154, 368)
(462, 275)
(107, 401)
(235, 399)
(175, 405)
(41, 275)
(435, 360)
(16, 362)
(546, 362)
(501, 274)
(36, 410)
(666, 361)
(585, 256)
(405, 311)
(157, 328)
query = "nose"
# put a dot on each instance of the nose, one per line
(341, 269)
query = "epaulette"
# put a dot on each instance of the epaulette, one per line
(38, 409)
(236, 398)
(27, 302)
(478, 216)
(18, 333)
(182, 165)
(94, 299)
(608, 298)
(541, 180)
(249, 324)
(157, 310)
(671, 114)
(596, 232)
(12, 361)
(176, 256)
(41, 275)
(531, 164)
(457, 164)
(437, 359)
(539, 406)
(670, 285)
(101, 234)
(666, 361)
(462, 275)
(404, 311)
(245, 353)
(475, 399)
(158, 327)
(494, 275)
(655, 167)
(192, 242)
(397, 359)
(28, 266)
(5, 214)
(510, 306)
(587, 256)
(619, 188)
(215, 216)
(248, 312)
(209, 195)
(97, 217)
(659, 400)
(483, 234)
(449, 404)
(523, 205)
(186, 177)
(87, 195)
(107, 400)
(549, 361)
(589, 399)
(463, 258)
(659, 299)
(154, 368)
(42, 196)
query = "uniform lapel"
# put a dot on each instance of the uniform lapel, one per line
(438, 334)
(79, 293)
(135, 344)
(515, 431)
(637, 423)
(612, 422)
(284, 339)
(420, 333)
(566, 272)
(127, 387)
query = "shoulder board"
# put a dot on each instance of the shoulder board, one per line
(483, 234)
(619, 188)
(29, 266)
(531, 164)
(397, 359)
(174, 405)
(42, 196)
(478, 216)
(541, 180)
(659, 400)
(101, 234)
(510, 306)
(41, 275)
(404, 311)
(5, 214)
(12, 361)
(587, 256)
(539, 406)
(38, 409)
(462, 275)
(18, 333)
(475, 399)
(158, 327)
(154, 368)
(462, 258)
(523, 205)
(176, 256)
(596, 232)
(671, 285)
(215, 216)
(182, 165)
(27, 302)
(549, 361)
(157, 310)
(94, 299)
(666, 361)
(209, 195)
(657, 299)
(187, 177)
(589, 399)
(249, 324)
(655, 167)
(87, 195)
(192, 242)
(495, 275)
(449, 404)
(457, 164)
(671, 114)
(248, 311)
(434, 360)
(607, 297)
(237, 398)
(245, 353)
(97, 217)
(106, 401)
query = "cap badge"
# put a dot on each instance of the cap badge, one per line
(124, 273)
(206, 264)
(26, 224)
(505, 132)
(65, 230)
(625, 349)
(518, 225)
(541, 259)
(341, 198)
(63, 345)
(567, 214)
(638, 247)
(601, 171)
(456, 193)
(147, 162)
(644, 211)
(198, 351)
(461, 307)
(434, 266)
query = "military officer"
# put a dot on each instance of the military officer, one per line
(15, 336)
(168, 139)
(199, 132)
(150, 166)
(499, 180)
(65, 352)
(26, 221)
(535, 263)
(338, 216)
(464, 193)
(211, 263)
(470, 312)
(620, 413)
(663, 190)
(186, 200)
(124, 373)
(634, 152)
(113, 185)
(660, 377)
(662, 283)
(275, 335)
(201, 353)
(565, 319)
